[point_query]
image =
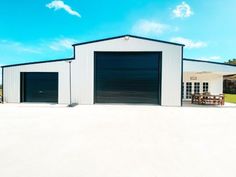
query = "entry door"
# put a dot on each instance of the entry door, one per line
(39, 87)
(128, 77)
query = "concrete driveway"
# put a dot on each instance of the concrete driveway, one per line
(116, 141)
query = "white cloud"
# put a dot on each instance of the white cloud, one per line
(17, 52)
(182, 10)
(211, 58)
(149, 27)
(58, 4)
(18, 47)
(58, 44)
(61, 44)
(189, 43)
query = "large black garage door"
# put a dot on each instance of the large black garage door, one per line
(128, 77)
(39, 87)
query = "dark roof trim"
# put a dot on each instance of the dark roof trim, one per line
(211, 62)
(38, 62)
(128, 35)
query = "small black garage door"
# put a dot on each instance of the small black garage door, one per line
(39, 87)
(128, 77)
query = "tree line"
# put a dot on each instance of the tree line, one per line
(231, 61)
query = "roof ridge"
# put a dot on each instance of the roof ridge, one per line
(129, 35)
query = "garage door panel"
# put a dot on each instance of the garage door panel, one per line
(127, 77)
(39, 87)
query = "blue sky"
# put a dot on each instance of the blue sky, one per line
(45, 29)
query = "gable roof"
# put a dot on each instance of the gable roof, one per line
(128, 35)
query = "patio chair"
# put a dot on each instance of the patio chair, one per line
(196, 98)
(222, 99)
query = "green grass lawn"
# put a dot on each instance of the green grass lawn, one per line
(0, 92)
(230, 98)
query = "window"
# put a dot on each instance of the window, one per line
(196, 87)
(205, 87)
(188, 90)
(183, 90)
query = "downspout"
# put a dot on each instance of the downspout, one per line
(70, 81)
(182, 73)
(70, 91)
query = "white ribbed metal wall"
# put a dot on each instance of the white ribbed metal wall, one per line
(210, 67)
(11, 80)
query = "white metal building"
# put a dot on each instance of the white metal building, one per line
(123, 69)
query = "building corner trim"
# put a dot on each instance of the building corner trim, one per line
(182, 73)
(2, 86)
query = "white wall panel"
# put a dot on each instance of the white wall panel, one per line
(198, 66)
